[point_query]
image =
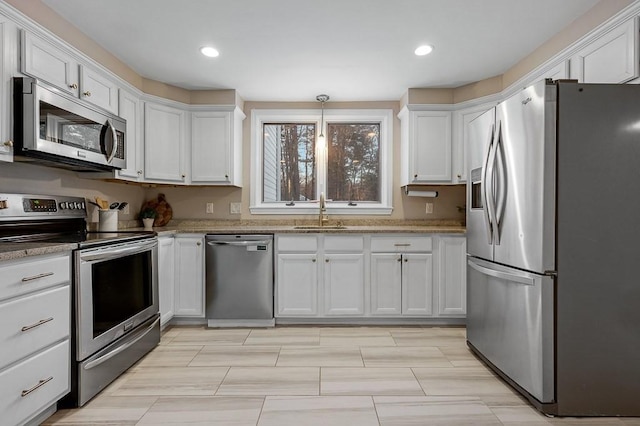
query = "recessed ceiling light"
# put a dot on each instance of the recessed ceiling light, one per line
(209, 51)
(423, 50)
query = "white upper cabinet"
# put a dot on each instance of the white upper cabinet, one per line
(165, 135)
(98, 89)
(131, 110)
(216, 147)
(611, 58)
(461, 120)
(8, 66)
(46, 61)
(425, 146)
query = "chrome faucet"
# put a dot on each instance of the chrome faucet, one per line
(323, 217)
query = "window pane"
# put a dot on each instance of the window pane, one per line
(289, 162)
(353, 169)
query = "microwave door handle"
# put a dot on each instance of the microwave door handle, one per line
(114, 135)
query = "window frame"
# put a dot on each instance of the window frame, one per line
(259, 117)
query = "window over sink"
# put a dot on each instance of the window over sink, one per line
(290, 168)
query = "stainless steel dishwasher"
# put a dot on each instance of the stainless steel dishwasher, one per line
(239, 280)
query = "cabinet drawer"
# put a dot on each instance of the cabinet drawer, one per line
(297, 243)
(33, 322)
(31, 274)
(392, 244)
(342, 243)
(46, 375)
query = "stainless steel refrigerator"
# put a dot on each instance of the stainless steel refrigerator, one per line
(553, 238)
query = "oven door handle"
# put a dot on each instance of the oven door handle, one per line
(106, 254)
(116, 351)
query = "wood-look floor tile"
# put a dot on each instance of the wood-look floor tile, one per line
(520, 415)
(591, 421)
(320, 356)
(318, 410)
(460, 356)
(368, 381)
(104, 410)
(233, 356)
(210, 336)
(471, 381)
(171, 381)
(433, 410)
(169, 356)
(426, 337)
(403, 357)
(259, 381)
(355, 332)
(203, 411)
(357, 341)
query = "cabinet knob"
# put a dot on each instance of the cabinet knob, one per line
(313, 260)
(226, 176)
(198, 243)
(139, 172)
(8, 143)
(459, 176)
(415, 176)
(184, 176)
(73, 86)
(399, 259)
(406, 260)
(326, 260)
(87, 93)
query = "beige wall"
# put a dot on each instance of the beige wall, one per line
(189, 202)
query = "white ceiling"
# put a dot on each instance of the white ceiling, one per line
(293, 50)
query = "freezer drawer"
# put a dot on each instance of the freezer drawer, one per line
(510, 322)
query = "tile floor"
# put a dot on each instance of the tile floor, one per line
(312, 376)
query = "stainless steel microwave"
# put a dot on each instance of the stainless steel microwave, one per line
(55, 129)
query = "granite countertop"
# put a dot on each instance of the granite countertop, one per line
(11, 251)
(279, 227)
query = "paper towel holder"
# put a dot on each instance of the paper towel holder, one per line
(419, 193)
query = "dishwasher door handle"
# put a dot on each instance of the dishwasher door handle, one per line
(238, 243)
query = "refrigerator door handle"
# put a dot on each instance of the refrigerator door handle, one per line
(501, 184)
(489, 183)
(514, 276)
(485, 188)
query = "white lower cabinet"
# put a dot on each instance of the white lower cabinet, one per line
(417, 284)
(35, 326)
(166, 278)
(386, 284)
(452, 282)
(297, 284)
(343, 284)
(189, 276)
(370, 275)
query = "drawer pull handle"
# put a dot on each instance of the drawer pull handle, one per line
(38, 324)
(36, 277)
(402, 244)
(38, 385)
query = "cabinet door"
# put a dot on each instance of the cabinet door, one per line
(211, 149)
(8, 66)
(430, 146)
(452, 283)
(344, 284)
(43, 60)
(297, 284)
(98, 89)
(612, 58)
(166, 278)
(164, 143)
(386, 285)
(461, 140)
(131, 110)
(189, 294)
(417, 288)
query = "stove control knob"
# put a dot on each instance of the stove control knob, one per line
(63, 205)
(76, 205)
(4, 204)
(82, 206)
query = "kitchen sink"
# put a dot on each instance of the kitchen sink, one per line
(320, 227)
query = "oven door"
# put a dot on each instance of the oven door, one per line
(116, 290)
